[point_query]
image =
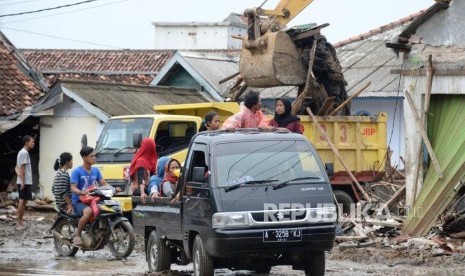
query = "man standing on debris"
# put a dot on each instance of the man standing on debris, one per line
(24, 179)
(250, 115)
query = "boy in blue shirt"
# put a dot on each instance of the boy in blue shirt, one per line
(83, 178)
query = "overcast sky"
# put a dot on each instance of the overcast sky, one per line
(127, 24)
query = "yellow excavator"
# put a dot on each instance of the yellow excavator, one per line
(274, 56)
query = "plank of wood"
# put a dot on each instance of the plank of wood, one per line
(228, 78)
(360, 90)
(424, 118)
(328, 105)
(424, 135)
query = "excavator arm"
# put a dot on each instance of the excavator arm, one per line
(284, 12)
(269, 55)
(274, 56)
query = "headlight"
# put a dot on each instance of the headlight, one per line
(221, 220)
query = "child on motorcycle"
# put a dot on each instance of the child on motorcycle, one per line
(61, 183)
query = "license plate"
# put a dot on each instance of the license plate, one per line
(282, 235)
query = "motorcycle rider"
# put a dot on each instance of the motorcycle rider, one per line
(83, 178)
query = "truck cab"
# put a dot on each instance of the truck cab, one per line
(248, 199)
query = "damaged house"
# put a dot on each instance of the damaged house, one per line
(433, 51)
(21, 87)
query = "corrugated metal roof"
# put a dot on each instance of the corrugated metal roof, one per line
(123, 99)
(365, 58)
(213, 67)
(368, 60)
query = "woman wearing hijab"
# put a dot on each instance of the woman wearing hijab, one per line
(156, 179)
(284, 118)
(170, 180)
(142, 166)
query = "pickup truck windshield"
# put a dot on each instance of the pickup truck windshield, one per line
(118, 134)
(258, 161)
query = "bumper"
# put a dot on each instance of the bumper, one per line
(240, 242)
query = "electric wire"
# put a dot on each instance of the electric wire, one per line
(50, 15)
(63, 38)
(14, 3)
(48, 9)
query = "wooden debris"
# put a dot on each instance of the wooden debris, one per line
(37, 206)
(341, 106)
(424, 135)
(347, 245)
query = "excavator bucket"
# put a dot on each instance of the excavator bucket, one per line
(278, 63)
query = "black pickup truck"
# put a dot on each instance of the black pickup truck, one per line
(250, 200)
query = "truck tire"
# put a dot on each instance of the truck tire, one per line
(316, 264)
(203, 264)
(158, 253)
(345, 199)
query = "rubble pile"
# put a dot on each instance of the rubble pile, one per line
(9, 204)
(379, 222)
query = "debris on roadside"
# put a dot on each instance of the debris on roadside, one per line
(379, 222)
(9, 201)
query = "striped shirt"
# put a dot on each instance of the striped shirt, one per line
(61, 188)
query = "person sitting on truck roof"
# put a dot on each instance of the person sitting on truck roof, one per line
(156, 179)
(170, 181)
(210, 122)
(284, 118)
(142, 166)
(250, 115)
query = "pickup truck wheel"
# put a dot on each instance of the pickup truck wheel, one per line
(203, 264)
(345, 199)
(158, 253)
(316, 264)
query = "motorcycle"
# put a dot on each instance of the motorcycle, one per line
(108, 227)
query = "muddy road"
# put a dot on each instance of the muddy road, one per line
(31, 252)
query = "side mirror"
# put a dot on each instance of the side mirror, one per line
(198, 175)
(84, 141)
(136, 139)
(329, 169)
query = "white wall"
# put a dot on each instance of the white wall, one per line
(61, 133)
(446, 27)
(394, 125)
(197, 37)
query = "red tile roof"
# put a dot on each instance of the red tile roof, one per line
(126, 66)
(379, 30)
(98, 61)
(17, 89)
